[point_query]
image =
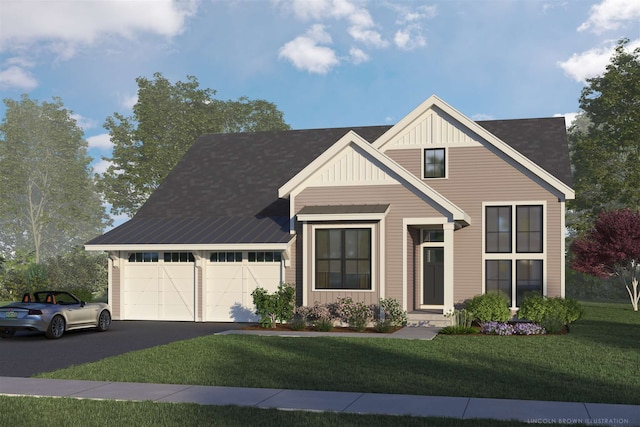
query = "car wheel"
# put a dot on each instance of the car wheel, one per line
(6, 333)
(56, 327)
(104, 321)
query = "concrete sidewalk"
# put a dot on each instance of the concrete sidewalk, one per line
(535, 412)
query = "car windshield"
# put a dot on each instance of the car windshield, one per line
(62, 298)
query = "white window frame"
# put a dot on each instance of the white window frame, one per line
(374, 255)
(514, 256)
(423, 151)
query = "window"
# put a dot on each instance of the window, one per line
(514, 260)
(265, 256)
(143, 257)
(433, 236)
(434, 163)
(528, 278)
(529, 229)
(178, 257)
(343, 258)
(498, 229)
(226, 257)
(499, 276)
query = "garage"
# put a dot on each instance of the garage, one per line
(231, 277)
(159, 287)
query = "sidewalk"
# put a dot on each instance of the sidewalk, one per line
(535, 412)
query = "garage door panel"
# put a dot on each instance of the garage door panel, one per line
(159, 292)
(229, 286)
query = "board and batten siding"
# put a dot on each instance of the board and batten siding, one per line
(478, 175)
(403, 203)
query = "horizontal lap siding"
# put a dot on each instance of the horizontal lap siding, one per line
(403, 204)
(115, 291)
(477, 175)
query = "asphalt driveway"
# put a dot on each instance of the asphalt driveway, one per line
(29, 353)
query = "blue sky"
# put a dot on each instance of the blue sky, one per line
(324, 63)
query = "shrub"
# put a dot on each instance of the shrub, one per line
(389, 314)
(321, 317)
(274, 308)
(462, 317)
(458, 330)
(356, 314)
(490, 306)
(299, 320)
(550, 312)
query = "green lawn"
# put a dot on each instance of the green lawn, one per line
(596, 362)
(53, 412)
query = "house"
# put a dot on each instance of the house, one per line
(431, 211)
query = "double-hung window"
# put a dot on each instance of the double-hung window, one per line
(514, 250)
(343, 258)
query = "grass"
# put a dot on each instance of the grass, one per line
(53, 412)
(595, 362)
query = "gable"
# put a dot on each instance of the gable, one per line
(352, 161)
(435, 123)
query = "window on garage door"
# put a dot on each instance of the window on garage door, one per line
(265, 256)
(143, 257)
(178, 257)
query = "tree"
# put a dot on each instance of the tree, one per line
(605, 142)
(79, 272)
(48, 199)
(166, 121)
(612, 249)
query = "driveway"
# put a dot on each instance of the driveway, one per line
(29, 353)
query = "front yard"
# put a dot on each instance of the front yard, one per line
(596, 362)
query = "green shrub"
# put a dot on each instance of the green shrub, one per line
(356, 314)
(389, 314)
(277, 307)
(490, 306)
(549, 311)
(461, 317)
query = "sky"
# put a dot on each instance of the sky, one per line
(323, 63)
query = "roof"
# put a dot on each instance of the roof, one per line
(225, 188)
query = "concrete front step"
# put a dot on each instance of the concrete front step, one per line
(428, 319)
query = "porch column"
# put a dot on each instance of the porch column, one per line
(448, 266)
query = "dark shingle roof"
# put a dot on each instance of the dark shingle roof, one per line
(225, 188)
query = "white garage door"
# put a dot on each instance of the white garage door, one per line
(232, 276)
(157, 290)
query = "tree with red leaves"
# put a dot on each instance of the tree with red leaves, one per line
(612, 248)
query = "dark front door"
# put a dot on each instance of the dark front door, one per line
(433, 276)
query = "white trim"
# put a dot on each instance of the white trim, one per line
(434, 101)
(189, 247)
(514, 255)
(563, 249)
(343, 217)
(374, 255)
(446, 162)
(397, 172)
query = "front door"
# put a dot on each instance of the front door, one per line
(433, 276)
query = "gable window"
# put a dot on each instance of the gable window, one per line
(178, 257)
(143, 257)
(343, 258)
(434, 163)
(514, 250)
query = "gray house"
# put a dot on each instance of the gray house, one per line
(431, 211)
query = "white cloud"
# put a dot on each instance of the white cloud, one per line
(100, 142)
(306, 53)
(592, 62)
(16, 77)
(128, 101)
(84, 122)
(611, 15)
(358, 56)
(409, 39)
(63, 25)
(101, 166)
(569, 118)
(481, 116)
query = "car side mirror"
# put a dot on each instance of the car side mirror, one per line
(82, 303)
